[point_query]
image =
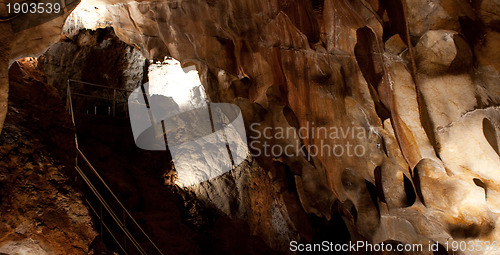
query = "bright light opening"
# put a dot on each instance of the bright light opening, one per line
(183, 85)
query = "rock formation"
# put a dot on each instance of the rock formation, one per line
(41, 211)
(413, 84)
(93, 56)
(25, 35)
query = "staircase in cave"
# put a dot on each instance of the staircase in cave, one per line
(119, 230)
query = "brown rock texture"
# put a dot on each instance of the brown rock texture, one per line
(40, 210)
(97, 57)
(24, 35)
(413, 83)
(420, 101)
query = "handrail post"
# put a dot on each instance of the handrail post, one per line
(70, 104)
(93, 189)
(67, 97)
(114, 102)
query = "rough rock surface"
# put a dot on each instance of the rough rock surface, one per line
(93, 56)
(41, 212)
(174, 219)
(428, 110)
(289, 64)
(24, 35)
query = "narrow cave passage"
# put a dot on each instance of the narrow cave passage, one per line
(144, 181)
(293, 127)
(136, 176)
(175, 220)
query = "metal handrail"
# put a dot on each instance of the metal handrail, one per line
(106, 226)
(98, 85)
(70, 106)
(116, 198)
(110, 211)
(96, 192)
(98, 97)
(114, 100)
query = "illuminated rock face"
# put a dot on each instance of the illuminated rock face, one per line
(25, 36)
(416, 80)
(205, 140)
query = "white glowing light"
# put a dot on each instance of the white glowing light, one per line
(87, 15)
(182, 84)
(205, 142)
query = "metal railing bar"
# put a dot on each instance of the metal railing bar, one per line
(98, 97)
(98, 85)
(106, 226)
(94, 190)
(70, 104)
(116, 198)
(110, 211)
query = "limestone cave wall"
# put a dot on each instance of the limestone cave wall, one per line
(419, 77)
(418, 81)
